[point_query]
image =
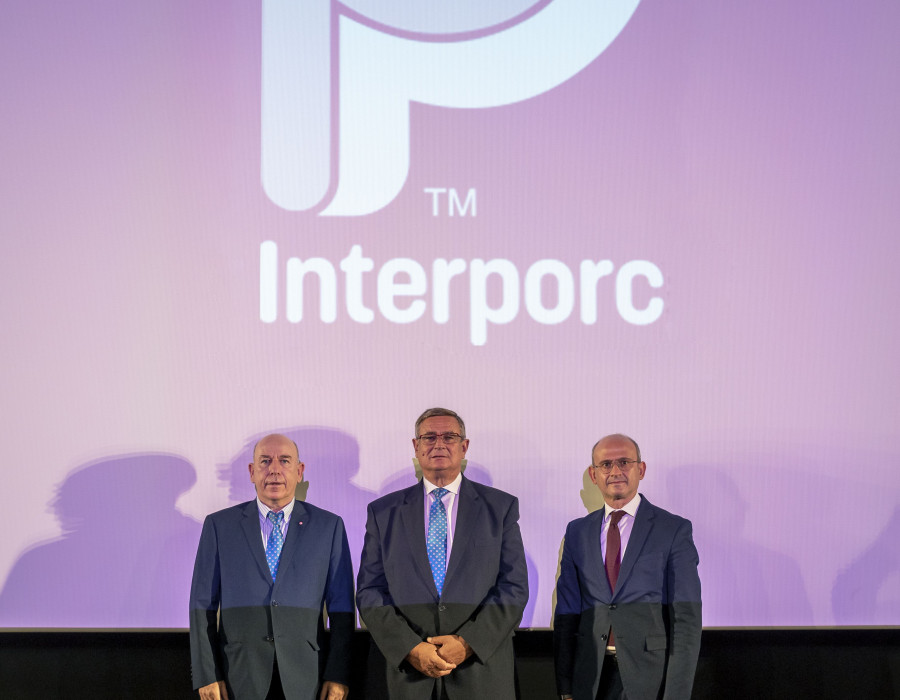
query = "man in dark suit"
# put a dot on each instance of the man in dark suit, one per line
(627, 622)
(264, 571)
(442, 580)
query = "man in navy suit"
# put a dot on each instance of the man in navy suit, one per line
(442, 580)
(627, 622)
(264, 571)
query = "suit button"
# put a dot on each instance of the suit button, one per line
(442, 608)
(274, 603)
(603, 637)
(612, 607)
(270, 639)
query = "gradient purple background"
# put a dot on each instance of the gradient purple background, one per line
(750, 150)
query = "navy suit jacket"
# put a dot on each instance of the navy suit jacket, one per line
(484, 594)
(239, 619)
(654, 611)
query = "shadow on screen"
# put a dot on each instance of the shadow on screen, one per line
(125, 556)
(753, 586)
(867, 590)
(591, 496)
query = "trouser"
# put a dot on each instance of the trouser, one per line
(276, 692)
(610, 680)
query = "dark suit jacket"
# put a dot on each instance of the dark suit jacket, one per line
(654, 611)
(484, 596)
(256, 618)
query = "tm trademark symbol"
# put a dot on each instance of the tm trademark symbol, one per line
(455, 206)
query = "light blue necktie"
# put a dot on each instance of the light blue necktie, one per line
(276, 541)
(437, 538)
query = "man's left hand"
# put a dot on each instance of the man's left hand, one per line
(451, 647)
(334, 691)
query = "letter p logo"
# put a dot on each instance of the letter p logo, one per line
(378, 74)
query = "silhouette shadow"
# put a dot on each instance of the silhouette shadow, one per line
(744, 584)
(867, 591)
(125, 556)
(591, 496)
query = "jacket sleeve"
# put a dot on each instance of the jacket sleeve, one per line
(390, 630)
(339, 606)
(566, 619)
(502, 608)
(206, 665)
(684, 608)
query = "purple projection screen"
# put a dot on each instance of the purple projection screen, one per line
(677, 220)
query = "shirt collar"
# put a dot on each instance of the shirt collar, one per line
(264, 510)
(630, 507)
(452, 487)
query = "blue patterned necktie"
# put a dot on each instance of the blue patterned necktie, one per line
(275, 543)
(437, 538)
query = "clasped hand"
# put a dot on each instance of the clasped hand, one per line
(438, 656)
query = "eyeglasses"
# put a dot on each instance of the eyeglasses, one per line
(606, 466)
(446, 438)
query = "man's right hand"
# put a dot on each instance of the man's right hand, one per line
(214, 691)
(424, 658)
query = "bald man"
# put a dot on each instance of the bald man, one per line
(264, 572)
(627, 623)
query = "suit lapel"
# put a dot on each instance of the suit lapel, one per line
(250, 526)
(468, 515)
(640, 530)
(412, 518)
(295, 536)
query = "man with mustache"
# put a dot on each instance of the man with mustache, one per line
(627, 622)
(264, 571)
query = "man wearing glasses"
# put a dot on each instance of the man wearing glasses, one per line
(627, 621)
(442, 578)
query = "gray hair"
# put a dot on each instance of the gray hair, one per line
(432, 412)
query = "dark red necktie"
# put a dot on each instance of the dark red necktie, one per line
(613, 556)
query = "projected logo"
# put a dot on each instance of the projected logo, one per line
(470, 54)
